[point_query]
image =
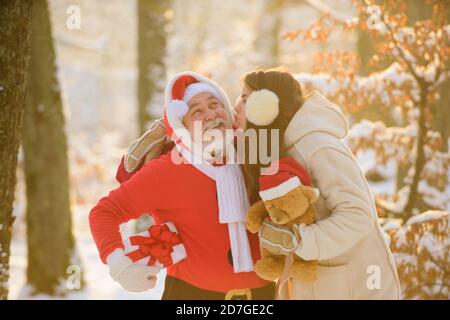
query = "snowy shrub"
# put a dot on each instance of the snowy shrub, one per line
(409, 66)
(421, 251)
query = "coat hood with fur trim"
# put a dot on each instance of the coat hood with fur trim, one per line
(316, 114)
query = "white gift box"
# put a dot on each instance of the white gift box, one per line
(140, 246)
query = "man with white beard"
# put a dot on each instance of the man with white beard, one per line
(203, 195)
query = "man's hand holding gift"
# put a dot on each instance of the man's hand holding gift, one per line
(131, 276)
(145, 254)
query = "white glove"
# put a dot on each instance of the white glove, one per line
(131, 276)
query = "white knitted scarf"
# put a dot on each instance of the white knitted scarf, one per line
(233, 205)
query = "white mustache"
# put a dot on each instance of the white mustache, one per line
(213, 124)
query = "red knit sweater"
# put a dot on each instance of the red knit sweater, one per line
(187, 197)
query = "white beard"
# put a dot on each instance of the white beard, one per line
(220, 146)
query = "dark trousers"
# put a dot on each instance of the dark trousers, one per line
(176, 289)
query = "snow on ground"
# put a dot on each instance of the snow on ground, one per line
(99, 284)
(97, 71)
(89, 186)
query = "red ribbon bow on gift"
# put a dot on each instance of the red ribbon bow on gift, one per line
(158, 246)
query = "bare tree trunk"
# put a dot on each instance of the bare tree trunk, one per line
(49, 224)
(414, 195)
(151, 52)
(15, 19)
(152, 33)
(268, 40)
(441, 118)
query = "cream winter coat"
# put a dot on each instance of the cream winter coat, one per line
(355, 261)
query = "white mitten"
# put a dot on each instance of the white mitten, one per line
(131, 276)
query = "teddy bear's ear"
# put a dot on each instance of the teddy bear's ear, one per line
(312, 194)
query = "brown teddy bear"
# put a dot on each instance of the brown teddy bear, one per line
(287, 199)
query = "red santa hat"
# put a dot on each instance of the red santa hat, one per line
(182, 88)
(289, 176)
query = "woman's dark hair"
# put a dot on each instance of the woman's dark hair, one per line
(289, 92)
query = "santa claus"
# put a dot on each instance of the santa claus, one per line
(203, 195)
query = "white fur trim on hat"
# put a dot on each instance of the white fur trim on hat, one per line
(176, 124)
(177, 109)
(280, 190)
(262, 107)
(199, 87)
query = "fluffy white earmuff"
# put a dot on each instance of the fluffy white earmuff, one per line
(262, 107)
